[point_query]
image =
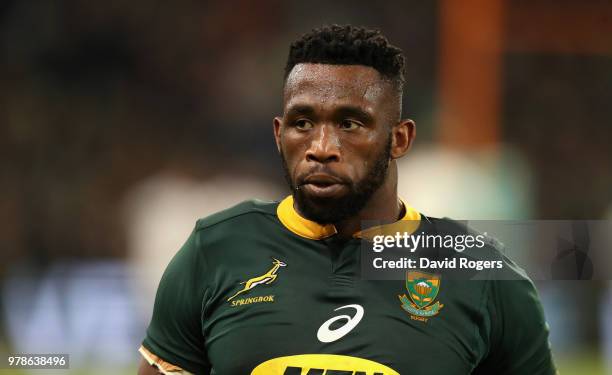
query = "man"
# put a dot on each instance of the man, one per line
(275, 288)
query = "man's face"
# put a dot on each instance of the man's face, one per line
(335, 137)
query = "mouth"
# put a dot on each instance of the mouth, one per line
(323, 186)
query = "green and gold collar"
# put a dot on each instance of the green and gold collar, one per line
(303, 227)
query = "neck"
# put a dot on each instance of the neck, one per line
(382, 206)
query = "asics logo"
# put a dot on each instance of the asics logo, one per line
(325, 334)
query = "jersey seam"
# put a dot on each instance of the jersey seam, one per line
(198, 227)
(207, 283)
(483, 302)
(204, 303)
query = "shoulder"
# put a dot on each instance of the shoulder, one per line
(215, 237)
(249, 210)
(226, 225)
(516, 332)
(227, 232)
(486, 247)
(511, 295)
(455, 227)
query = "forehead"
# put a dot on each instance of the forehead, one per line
(354, 83)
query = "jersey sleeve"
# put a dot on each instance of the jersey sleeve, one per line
(519, 332)
(174, 338)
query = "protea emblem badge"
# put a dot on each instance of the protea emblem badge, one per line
(422, 291)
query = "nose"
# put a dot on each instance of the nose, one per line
(324, 146)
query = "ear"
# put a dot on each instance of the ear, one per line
(402, 136)
(278, 122)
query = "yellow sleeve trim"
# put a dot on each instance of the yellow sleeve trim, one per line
(164, 367)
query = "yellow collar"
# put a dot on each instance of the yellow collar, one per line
(303, 227)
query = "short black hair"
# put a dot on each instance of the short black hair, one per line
(348, 45)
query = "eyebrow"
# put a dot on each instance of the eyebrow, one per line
(300, 109)
(345, 110)
(356, 112)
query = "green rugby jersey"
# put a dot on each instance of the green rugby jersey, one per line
(258, 289)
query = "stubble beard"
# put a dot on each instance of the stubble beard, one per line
(330, 211)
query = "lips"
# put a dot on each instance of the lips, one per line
(323, 185)
(322, 179)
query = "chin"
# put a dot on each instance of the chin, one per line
(325, 210)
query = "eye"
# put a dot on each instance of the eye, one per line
(350, 125)
(303, 124)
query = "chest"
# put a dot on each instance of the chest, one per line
(311, 313)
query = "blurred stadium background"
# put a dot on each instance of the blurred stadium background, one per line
(122, 122)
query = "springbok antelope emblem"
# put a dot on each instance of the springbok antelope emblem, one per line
(266, 278)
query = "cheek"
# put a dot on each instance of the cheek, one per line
(357, 156)
(292, 148)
